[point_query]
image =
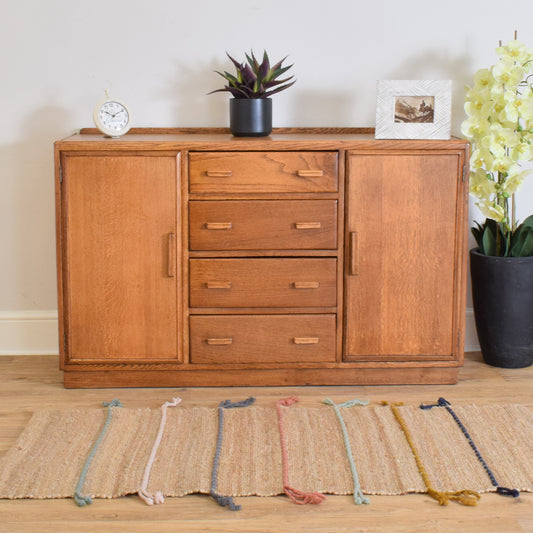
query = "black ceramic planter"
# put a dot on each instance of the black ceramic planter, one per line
(250, 117)
(502, 292)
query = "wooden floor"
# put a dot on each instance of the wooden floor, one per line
(28, 383)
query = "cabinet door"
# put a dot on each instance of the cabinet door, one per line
(401, 280)
(119, 250)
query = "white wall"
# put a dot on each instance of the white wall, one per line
(58, 56)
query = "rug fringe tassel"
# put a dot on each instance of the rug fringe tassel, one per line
(156, 497)
(81, 501)
(358, 497)
(86, 500)
(297, 496)
(465, 497)
(504, 491)
(303, 498)
(225, 501)
(151, 498)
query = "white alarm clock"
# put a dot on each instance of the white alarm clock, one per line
(112, 117)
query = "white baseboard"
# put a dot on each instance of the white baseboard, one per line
(35, 333)
(471, 340)
(28, 333)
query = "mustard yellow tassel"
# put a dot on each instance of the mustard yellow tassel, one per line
(465, 497)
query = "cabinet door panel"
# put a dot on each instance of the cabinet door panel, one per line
(401, 272)
(120, 256)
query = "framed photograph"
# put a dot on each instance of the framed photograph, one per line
(413, 109)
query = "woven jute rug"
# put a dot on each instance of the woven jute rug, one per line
(57, 448)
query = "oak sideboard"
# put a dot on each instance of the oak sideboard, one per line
(189, 257)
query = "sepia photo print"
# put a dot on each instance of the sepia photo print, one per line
(414, 109)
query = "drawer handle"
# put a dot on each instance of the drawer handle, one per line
(310, 173)
(219, 173)
(218, 284)
(305, 340)
(306, 284)
(219, 342)
(218, 225)
(308, 225)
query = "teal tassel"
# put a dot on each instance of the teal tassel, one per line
(86, 500)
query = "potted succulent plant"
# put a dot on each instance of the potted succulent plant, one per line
(251, 88)
(499, 106)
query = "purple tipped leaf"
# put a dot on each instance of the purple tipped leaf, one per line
(283, 87)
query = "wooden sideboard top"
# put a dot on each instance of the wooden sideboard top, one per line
(221, 138)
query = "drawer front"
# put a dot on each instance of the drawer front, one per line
(253, 339)
(263, 225)
(269, 282)
(262, 172)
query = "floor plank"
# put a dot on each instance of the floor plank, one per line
(28, 383)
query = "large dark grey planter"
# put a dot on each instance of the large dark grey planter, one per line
(250, 117)
(502, 292)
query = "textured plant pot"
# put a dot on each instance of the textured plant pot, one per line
(502, 292)
(250, 117)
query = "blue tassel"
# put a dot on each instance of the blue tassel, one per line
(500, 490)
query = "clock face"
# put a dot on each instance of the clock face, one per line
(112, 118)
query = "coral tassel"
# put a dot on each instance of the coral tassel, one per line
(303, 498)
(297, 496)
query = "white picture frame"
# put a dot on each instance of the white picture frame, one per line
(413, 109)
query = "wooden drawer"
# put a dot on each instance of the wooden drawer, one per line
(262, 172)
(249, 339)
(263, 225)
(308, 282)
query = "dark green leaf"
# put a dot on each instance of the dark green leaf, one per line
(527, 248)
(478, 234)
(522, 242)
(488, 241)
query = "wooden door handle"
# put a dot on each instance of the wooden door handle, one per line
(308, 225)
(171, 255)
(219, 173)
(219, 342)
(306, 284)
(305, 340)
(218, 284)
(218, 225)
(310, 173)
(354, 254)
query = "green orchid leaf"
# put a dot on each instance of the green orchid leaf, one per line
(488, 241)
(477, 232)
(522, 242)
(528, 222)
(527, 248)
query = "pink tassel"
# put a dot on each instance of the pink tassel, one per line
(297, 496)
(303, 498)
